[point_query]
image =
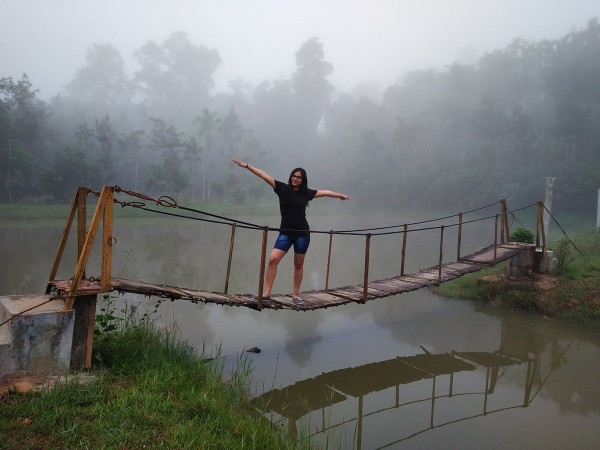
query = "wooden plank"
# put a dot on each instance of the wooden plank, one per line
(404, 284)
(355, 295)
(385, 287)
(323, 299)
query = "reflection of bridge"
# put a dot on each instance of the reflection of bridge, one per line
(296, 401)
(501, 249)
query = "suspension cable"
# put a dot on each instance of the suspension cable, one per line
(418, 223)
(169, 202)
(568, 238)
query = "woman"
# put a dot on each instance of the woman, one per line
(294, 230)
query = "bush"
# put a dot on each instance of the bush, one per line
(522, 235)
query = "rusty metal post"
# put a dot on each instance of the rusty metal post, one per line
(366, 277)
(263, 258)
(404, 232)
(107, 241)
(81, 219)
(328, 260)
(495, 237)
(63, 241)
(441, 254)
(460, 220)
(87, 246)
(231, 243)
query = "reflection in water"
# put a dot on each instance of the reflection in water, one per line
(317, 394)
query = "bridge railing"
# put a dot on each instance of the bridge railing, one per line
(104, 213)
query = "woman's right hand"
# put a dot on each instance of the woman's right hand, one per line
(240, 163)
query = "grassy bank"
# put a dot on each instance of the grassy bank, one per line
(570, 293)
(150, 391)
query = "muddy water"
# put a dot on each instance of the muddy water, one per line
(410, 371)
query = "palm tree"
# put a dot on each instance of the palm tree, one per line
(208, 121)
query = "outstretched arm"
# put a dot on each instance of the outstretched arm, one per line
(325, 193)
(256, 171)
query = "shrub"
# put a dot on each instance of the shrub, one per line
(522, 235)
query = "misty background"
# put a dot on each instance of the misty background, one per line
(398, 105)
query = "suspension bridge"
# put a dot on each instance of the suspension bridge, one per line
(501, 249)
(75, 319)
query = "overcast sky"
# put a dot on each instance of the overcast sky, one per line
(365, 40)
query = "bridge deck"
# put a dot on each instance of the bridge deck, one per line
(317, 299)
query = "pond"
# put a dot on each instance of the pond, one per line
(409, 371)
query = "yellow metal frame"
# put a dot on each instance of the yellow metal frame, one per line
(85, 241)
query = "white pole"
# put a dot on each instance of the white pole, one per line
(548, 203)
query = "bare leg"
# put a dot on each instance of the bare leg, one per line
(274, 259)
(298, 272)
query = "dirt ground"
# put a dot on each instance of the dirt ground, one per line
(22, 382)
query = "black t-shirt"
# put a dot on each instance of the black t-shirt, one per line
(292, 205)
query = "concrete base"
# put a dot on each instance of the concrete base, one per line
(521, 265)
(39, 340)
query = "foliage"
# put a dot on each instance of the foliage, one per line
(465, 135)
(522, 235)
(563, 255)
(69, 168)
(150, 391)
(571, 295)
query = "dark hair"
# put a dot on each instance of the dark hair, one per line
(304, 185)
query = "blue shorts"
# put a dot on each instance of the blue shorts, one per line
(300, 243)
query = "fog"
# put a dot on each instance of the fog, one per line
(373, 41)
(398, 104)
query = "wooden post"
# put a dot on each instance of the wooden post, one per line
(495, 237)
(231, 243)
(90, 331)
(460, 220)
(404, 232)
(505, 235)
(263, 257)
(537, 226)
(366, 273)
(328, 260)
(441, 254)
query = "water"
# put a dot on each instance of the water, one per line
(409, 371)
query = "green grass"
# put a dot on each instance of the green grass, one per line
(151, 391)
(574, 296)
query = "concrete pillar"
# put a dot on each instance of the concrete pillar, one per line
(39, 340)
(548, 204)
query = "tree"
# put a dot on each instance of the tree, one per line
(130, 145)
(103, 79)
(69, 168)
(176, 75)
(18, 119)
(105, 136)
(311, 88)
(168, 176)
(208, 122)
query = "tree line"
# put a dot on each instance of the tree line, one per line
(452, 138)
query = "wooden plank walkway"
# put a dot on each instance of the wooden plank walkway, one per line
(316, 299)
